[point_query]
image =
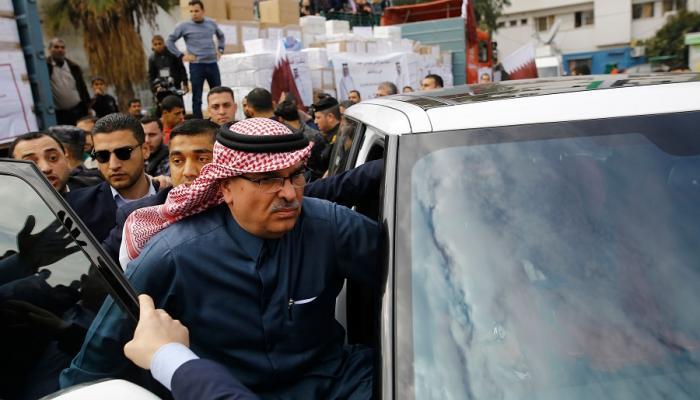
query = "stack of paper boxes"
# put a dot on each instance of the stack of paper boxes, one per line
(279, 19)
(321, 72)
(244, 72)
(313, 29)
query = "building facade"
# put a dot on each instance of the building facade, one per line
(597, 34)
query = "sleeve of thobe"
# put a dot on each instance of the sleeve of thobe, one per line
(101, 355)
(356, 245)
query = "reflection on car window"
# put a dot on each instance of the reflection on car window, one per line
(49, 293)
(562, 268)
(343, 144)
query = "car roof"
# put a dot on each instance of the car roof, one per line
(531, 101)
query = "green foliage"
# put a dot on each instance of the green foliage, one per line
(488, 12)
(111, 36)
(669, 40)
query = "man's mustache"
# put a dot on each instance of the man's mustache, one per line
(285, 205)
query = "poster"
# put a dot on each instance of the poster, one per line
(298, 62)
(363, 72)
(16, 116)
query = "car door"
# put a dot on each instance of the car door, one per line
(54, 278)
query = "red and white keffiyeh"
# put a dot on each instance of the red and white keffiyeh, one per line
(204, 192)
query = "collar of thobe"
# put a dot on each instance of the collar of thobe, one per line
(251, 244)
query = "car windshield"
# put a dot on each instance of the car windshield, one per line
(550, 261)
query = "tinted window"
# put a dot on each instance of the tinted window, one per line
(49, 292)
(552, 261)
(340, 155)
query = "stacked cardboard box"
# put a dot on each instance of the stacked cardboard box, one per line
(247, 70)
(279, 11)
(320, 69)
(335, 27)
(387, 32)
(240, 10)
(237, 32)
(313, 29)
(221, 10)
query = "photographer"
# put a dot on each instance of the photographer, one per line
(162, 64)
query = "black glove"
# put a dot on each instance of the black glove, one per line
(49, 245)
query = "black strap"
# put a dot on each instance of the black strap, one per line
(261, 143)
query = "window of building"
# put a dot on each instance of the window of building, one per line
(513, 22)
(584, 18)
(523, 21)
(643, 10)
(544, 23)
(501, 24)
(673, 5)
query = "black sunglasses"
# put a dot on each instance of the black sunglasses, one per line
(122, 153)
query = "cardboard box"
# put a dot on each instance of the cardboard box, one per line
(334, 27)
(245, 62)
(272, 31)
(346, 46)
(364, 32)
(256, 46)
(279, 11)
(293, 31)
(240, 10)
(387, 32)
(316, 57)
(214, 9)
(237, 32)
(313, 23)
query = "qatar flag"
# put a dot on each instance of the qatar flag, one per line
(283, 78)
(521, 63)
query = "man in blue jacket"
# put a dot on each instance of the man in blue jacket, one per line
(120, 150)
(161, 344)
(238, 260)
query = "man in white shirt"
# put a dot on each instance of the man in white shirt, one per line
(70, 95)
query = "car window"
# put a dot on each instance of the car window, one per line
(50, 291)
(551, 261)
(342, 148)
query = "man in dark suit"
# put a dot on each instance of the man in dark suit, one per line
(161, 344)
(50, 155)
(120, 150)
(191, 148)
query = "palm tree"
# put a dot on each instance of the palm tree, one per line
(111, 36)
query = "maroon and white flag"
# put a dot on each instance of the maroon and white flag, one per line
(521, 63)
(283, 78)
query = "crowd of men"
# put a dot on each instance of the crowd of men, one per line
(236, 238)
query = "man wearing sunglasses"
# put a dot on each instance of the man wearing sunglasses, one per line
(238, 260)
(120, 150)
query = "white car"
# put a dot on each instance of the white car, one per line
(541, 240)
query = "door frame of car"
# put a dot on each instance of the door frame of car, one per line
(119, 287)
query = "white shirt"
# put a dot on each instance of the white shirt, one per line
(63, 87)
(121, 200)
